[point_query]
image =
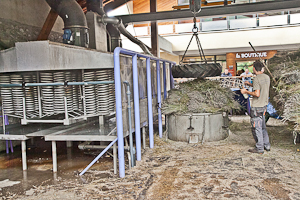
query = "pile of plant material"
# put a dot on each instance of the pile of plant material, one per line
(285, 93)
(199, 96)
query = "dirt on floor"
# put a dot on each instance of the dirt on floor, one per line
(177, 170)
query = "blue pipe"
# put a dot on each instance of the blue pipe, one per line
(159, 98)
(149, 98)
(136, 98)
(97, 158)
(11, 85)
(165, 80)
(119, 117)
(56, 84)
(91, 83)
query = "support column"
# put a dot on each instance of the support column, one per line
(154, 31)
(144, 137)
(25, 179)
(69, 144)
(115, 157)
(24, 159)
(101, 124)
(54, 156)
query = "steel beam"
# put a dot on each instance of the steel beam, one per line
(154, 31)
(216, 11)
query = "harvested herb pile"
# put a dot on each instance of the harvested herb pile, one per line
(285, 93)
(199, 96)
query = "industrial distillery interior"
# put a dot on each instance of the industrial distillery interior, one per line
(149, 99)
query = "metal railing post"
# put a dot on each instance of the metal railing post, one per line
(149, 97)
(171, 78)
(118, 96)
(159, 98)
(136, 107)
(119, 118)
(165, 80)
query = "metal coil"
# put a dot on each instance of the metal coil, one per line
(75, 91)
(47, 93)
(99, 99)
(6, 94)
(89, 90)
(31, 99)
(111, 92)
(102, 95)
(59, 93)
(17, 94)
(69, 91)
(35, 94)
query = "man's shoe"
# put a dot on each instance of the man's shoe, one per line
(267, 148)
(255, 150)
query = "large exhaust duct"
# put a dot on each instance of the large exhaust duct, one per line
(115, 36)
(97, 6)
(75, 24)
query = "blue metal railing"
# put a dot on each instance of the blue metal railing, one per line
(118, 95)
(98, 157)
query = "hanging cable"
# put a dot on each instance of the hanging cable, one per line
(195, 34)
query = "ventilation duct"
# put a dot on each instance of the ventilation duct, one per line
(96, 6)
(75, 24)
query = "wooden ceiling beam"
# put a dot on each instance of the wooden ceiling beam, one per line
(48, 25)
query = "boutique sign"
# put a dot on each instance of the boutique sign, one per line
(263, 54)
(234, 57)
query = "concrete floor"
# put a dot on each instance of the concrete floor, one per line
(177, 170)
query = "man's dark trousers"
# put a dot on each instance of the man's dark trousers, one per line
(259, 130)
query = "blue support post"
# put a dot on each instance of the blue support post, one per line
(136, 108)
(165, 80)
(119, 116)
(159, 98)
(149, 97)
(171, 78)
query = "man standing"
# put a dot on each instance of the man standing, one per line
(261, 85)
(247, 75)
(226, 73)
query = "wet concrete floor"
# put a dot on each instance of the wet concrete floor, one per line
(171, 170)
(71, 161)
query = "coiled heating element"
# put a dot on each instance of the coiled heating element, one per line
(42, 101)
(99, 98)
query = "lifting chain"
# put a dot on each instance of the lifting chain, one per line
(195, 34)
